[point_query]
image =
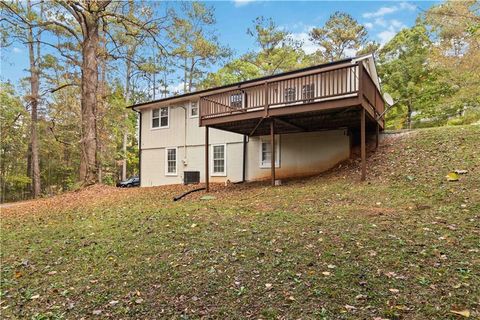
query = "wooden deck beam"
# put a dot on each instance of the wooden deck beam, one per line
(256, 127)
(288, 123)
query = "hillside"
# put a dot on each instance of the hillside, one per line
(402, 245)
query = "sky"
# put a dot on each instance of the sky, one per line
(383, 19)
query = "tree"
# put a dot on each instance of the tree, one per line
(455, 53)
(406, 74)
(341, 36)
(14, 119)
(77, 26)
(21, 25)
(236, 71)
(278, 51)
(195, 44)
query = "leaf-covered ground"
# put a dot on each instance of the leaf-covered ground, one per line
(403, 245)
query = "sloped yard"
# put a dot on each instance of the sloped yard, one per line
(403, 245)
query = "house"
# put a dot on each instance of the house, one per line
(292, 124)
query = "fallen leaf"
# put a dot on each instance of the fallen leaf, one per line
(35, 297)
(268, 286)
(464, 313)
(461, 171)
(139, 300)
(97, 312)
(113, 302)
(326, 273)
(394, 290)
(452, 176)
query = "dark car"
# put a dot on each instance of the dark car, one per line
(129, 183)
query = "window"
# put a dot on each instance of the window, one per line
(160, 117)
(171, 162)
(193, 109)
(266, 152)
(308, 92)
(219, 160)
(236, 100)
(289, 94)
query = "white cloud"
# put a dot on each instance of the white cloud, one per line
(408, 6)
(396, 24)
(380, 12)
(368, 25)
(17, 50)
(381, 22)
(388, 10)
(239, 3)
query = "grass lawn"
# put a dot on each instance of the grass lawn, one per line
(403, 245)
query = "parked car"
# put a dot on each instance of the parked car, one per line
(129, 183)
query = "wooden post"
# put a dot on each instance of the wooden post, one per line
(266, 101)
(272, 143)
(207, 170)
(362, 145)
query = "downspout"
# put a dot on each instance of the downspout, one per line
(244, 170)
(139, 146)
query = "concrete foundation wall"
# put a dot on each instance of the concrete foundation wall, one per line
(301, 154)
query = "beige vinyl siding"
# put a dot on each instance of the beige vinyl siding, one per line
(300, 153)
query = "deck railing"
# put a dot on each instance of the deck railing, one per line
(310, 88)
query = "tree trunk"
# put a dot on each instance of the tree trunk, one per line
(409, 114)
(89, 175)
(34, 96)
(125, 123)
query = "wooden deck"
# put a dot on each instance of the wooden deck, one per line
(330, 97)
(319, 100)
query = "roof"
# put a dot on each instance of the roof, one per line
(278, 75)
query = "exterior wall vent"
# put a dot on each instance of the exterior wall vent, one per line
(191, 177)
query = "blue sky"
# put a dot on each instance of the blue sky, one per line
(382, 19)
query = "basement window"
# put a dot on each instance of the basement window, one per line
(160, 117)
(266, 152)
(171, 161)
(219, 158)
(290, 94)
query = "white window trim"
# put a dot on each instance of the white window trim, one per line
(218, 174)
(277, 152)
(159, 119)
(176, 162)
(190, 109)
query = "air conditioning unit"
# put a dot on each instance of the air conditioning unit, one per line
(191, 177)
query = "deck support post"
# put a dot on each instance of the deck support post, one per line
(377, 136)
(363, 145)
(272, 148)
(207, 170)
